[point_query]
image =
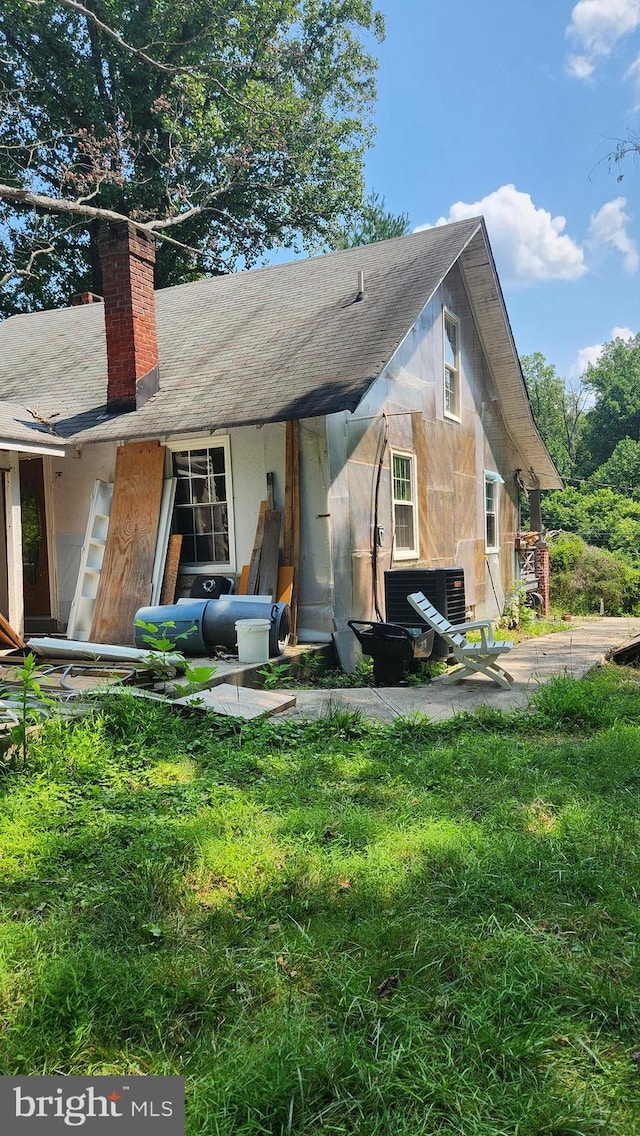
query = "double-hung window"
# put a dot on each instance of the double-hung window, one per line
(203, 510)
(451, 337)
(405, 520)
(492, 483)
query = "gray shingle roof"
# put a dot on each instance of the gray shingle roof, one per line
(19, 429)
(278, 343)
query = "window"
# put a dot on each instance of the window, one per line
(405, 538)
(451, 366)
(492, 481)
(203, 511)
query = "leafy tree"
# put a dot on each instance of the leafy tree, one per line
(374, 223)
(227, 129)
(615, 383)
(557, 409)
(621, 472)
(601, 517)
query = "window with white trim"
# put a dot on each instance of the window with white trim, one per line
(451, 339)
(492, 498)
(405, 519)
(203, 510)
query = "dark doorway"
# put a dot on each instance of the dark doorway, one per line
(35, 555)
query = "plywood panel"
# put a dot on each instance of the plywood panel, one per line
(171, 569)
(441, 541)
(125, 582)
(239, 701)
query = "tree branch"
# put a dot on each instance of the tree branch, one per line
(95, 213)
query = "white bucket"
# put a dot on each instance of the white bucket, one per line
(253, 640)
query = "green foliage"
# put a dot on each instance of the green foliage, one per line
(333, 926)
(565, 551)
(276, 675)
(161, 644)
(30, 705)
(311, 670)
(622, 470)
(615, 383)
(583, 577)
(373, 223)
(255, 121)
(557, 409)
(601, 517)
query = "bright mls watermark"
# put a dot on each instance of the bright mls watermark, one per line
(126, 1106)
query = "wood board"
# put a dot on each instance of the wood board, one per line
(8, 636)
(284, 587)
(239, 701)
(254, 563)
(171, 569)
(127, 568)
(268, 575)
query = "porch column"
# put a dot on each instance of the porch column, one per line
(536, 516)
(13, 527)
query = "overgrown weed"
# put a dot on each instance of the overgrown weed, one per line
(333, 926)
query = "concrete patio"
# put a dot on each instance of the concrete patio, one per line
(574, 652)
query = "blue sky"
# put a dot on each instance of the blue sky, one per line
(509, 108)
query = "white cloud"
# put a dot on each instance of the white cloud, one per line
(608, 228)
(580, 67)
(589, 356)
(529, 244)
(597, 26)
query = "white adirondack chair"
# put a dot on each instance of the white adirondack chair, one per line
(471, 657)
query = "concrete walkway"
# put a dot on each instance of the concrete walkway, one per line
(574, 651)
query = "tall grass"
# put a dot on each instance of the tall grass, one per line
(333, 927)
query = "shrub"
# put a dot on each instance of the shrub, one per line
(582, 576)
(565, 551)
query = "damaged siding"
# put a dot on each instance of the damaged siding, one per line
(406, 406)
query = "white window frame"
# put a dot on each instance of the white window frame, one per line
(447, 369)
(405, 553)
(495, 483)
(209, 443)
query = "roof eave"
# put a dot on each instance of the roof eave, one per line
(487, 301)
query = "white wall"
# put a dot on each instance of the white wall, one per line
(70, 485)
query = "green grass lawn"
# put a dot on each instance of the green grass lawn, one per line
(333, 927)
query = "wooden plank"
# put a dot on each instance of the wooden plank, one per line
(171, 569)
(243, 581)
(8, 635)
(268, 578)
(271, 491)
(254, 563)
(284, 588)
(239, 701)
(125, 581)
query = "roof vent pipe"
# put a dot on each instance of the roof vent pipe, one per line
(360, 297)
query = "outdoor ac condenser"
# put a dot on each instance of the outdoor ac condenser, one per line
(443, 587)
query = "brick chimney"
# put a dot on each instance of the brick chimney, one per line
(85, 298)
(127, 257)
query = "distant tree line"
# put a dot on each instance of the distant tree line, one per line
(592, 431)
